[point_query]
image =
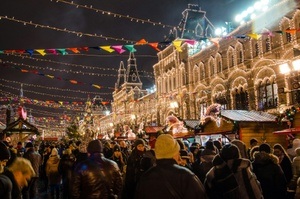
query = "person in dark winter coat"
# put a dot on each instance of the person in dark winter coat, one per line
(167, 179)
(36, 161)
(284, 161)
(65, 169)
(269, 173)
(14, 178)
(231, 176)
(4, 156)
(134, 168)
(96, 177)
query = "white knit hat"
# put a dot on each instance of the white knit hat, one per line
(166, 147)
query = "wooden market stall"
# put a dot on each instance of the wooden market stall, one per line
(245, 125)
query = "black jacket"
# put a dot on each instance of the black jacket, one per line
(270, 175)
(9, 188)
(153, 182)
(95, 177)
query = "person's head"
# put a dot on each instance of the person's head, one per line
(265, 148)
(278, 150)
(94, 146)
(117, 150)
(139, 144)
(123, 144)
(185, 158)
(253, 142)
(4, 155)
(166, 147)
(22, 170)
(229, 152)
(28, 145)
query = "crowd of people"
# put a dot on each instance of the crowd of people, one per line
(173, 168)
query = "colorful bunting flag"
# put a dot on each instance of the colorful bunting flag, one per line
(177, 45)
(107, 48)
(119, 49)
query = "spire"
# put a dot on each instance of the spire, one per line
(132, 72)
(195, 24)
(121, 75)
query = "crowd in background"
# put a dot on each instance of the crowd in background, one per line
(133, 169)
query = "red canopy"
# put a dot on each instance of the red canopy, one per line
(288, 131)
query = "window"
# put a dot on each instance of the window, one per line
(221, 100)
(268, 95)
(256, 50)
(241, 100)
(288, 36)
(202, 108)
(268, 45)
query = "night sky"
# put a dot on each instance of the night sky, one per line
(80, 67)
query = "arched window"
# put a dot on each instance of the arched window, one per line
(256, 50)
(268, 44)
(202, 108)
(222, 100)
(212, 67)
(241, 100)
(268, 95)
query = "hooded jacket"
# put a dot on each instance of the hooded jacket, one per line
(269, 173)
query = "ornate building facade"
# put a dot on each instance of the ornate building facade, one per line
(239, 72)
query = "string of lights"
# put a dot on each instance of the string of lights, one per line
(67, 71)
(116, 15)
(55, 88)
(79, 34)
(80, 65)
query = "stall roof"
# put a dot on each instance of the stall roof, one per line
(153, 129)
(20, 126)
(192, 123)
(248, 116)
(288, 131)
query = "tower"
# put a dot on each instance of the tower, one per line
(194, 24)
(132, 75)
(121, 76)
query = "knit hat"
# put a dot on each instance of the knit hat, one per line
(4, 152)
(95, 146)
(29, 145)
(139, 141)
(265, 147)
(117, 147)
(229, 151)
(166, 147)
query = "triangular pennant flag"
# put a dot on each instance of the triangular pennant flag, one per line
(41, 51)
(50, 76)
(119, 49)
(291, 31)
(189, 41)
(24, 71)
(268, 33)
(96, 86)
(74, 50)
(216, 41)
(20, 51)
(278, 31)
(84, 48)
(240, 36)
(107, 48)
(177, 45)
(62, 51)
(154, 45)
(95, 47)
(73, 81)
(141, 42)
(53, 51)
(30, 52)
(130, 48)
(254, 36)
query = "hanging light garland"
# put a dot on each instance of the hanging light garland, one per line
(55, 88)
(116, 15)
(80, 65)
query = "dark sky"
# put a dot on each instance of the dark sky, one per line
(14, 36)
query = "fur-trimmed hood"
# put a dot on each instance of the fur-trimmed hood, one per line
(265, 158)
